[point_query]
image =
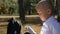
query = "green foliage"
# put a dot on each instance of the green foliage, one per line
(29, 6)
(12, 6)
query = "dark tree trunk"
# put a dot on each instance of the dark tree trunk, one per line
(58, 9)
(21, 11)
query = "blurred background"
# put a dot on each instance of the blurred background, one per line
(24, 11)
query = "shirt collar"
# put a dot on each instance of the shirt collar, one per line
(51, 18)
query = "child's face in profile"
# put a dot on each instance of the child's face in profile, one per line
(43, 13)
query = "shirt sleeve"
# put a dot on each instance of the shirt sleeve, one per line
(45, 29)
(55, 28)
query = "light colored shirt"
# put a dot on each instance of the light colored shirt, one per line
(50, 26)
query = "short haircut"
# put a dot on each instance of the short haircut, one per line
(45, 5)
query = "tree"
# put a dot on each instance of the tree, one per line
(21, 11)
(58, 9)
(8, 5)
(29, 6)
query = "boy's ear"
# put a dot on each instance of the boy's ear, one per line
(49, 11)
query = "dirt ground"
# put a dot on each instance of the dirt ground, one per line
(36, 27)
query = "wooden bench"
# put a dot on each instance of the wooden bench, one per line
(5, 18)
